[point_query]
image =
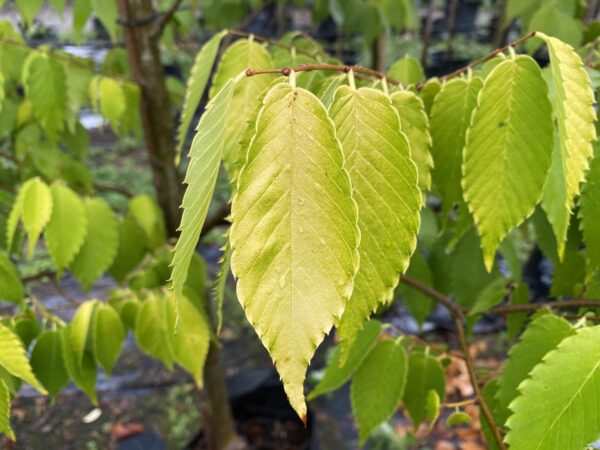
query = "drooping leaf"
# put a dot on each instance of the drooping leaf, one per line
(458, 418)
(450, 118)
(82, 10)
(240, 56)
(108, 14)
(28, 9)
(573, 102)
(66, 230)
(80, 330)
(201, 177)
(515, 321)
(82, 371)
(541, 336)
(566, 384)
(337, 375)
(45, 86)
(14, 360)
(11, 289)
(221, 284)
(151, 330)
(508, 151)
(415, 124)
(100, 245)
(384, 183)
(112, 101)
(589, 215)
(149, 217)
(284, 229)
(5, 411)
(108, 336)
(196, 84)
(551, 19)
(407, 70)
(47, 362)
(489, 296)
(189, 341)
(131, 249)
(378, 386)
(425, 373)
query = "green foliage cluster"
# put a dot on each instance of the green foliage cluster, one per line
(342, 187)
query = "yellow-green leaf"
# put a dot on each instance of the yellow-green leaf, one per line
(196, 83)
(508, 150)
(415, 125)
(238, 57)
(384, 181)
(67, 227)
(294, 233)
(201, 177)
(573, 102)
(14, 359)
(5, 411)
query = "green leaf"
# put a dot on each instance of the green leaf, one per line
(425, 374)
(45, 86)
(221, 284)
(566, 384)
(458, 418)
(541, 336)
(419, 305)
(407, 70)
(508, 151)
(489, 393)
(100, 245)
(378, 386)
(14, 359)
(429, 92)
(554, 21)
(151, 330)
(131, 249)
(5, 412)
(337, 374)
(196, 84)
(82, 9)
(108, 14)
(58, 5)
(450, 117)
(148, 215)
(47, 362)
(415, 124)
(33, 206)
(112, 101)
(189, 337)
(67, 228)
(201, 177)
(28, 9)
(81, 328)
(589, 215)
(489, 296)
(237, 58)
(433, 407)
(82, 371)
(515, 321)
(11, 289)
(285, 229)
(384, 182)
(108, 336)
(575, 116)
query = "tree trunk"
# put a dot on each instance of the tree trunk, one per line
(142, 41)
(155, 108)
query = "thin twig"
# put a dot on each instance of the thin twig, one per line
(559, 304)
(485, 58)
(166, 17)
(459, 319)
(37, 276)
(250, 72)
(111, 188)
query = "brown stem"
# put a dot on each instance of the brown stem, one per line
(486, 58)
(427, 33)
(111, 188)
(155, 108)
(166, 17)
(309, 67)
(216, 219)
(459, 319)
(559, 304)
